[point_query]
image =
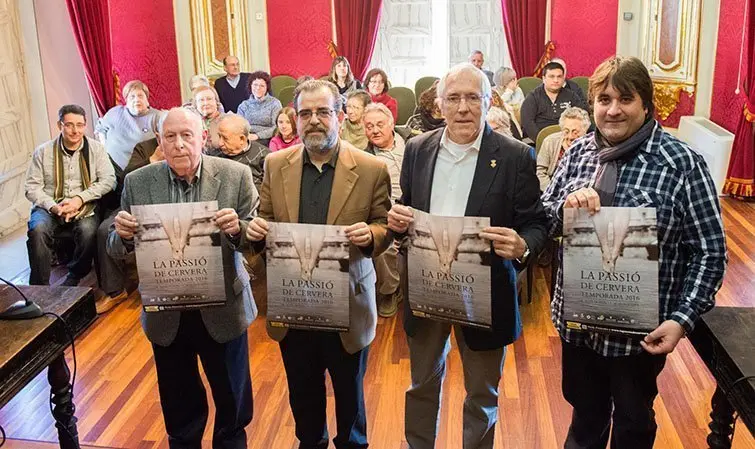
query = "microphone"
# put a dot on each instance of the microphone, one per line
(20, 310)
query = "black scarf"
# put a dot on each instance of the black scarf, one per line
(429, 122)
(610, 157)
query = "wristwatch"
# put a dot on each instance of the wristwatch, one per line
(522, 260)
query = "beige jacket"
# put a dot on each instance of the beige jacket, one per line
(547, 159)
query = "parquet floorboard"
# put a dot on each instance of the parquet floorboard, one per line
(118, 405)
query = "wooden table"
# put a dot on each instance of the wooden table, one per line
(27, 347)
(725, 340)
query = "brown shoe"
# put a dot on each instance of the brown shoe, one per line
(107, 302)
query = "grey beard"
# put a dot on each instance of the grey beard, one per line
(319, 144)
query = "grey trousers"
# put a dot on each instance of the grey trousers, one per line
(386, 269)
(428, 350)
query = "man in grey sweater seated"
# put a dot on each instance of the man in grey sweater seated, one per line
(236, 145)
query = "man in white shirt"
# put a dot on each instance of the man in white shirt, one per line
(466, 169)
(387, 146)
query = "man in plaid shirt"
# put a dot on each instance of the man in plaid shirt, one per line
(631, 161)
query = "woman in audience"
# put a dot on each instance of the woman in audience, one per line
(341, 75)
(377, 86)
(352, 129)
(207, 103)
(507, 86)
(427, 116)
(285, 135)
(499, 121)
(514, 127)
(574, 123)
(122, 127)
(261, 109)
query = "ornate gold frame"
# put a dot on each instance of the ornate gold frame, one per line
(670, 79)
(202, 36)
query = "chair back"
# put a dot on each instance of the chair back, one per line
(277, 83)
(545, 132)
(529, 83)
(406, 103)
(423, 84)
(286, 95)
(583, 82)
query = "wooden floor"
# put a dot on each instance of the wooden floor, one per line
(117, 400)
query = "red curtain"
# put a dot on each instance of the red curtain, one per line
(356, 30)
(524, 22)
(740, 179)
(91, 28)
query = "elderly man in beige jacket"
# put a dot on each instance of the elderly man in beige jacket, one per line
(574, 123)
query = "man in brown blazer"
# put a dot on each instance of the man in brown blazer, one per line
(327, 181)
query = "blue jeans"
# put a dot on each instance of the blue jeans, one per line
(306, 356)
(44, 229)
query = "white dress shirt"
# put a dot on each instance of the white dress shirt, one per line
(454, 173)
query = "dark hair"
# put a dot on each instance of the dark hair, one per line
(349, 74)
(380, 72)
(71, 109)
(361, 95)
(259, 75)
(626, 74)
(427, 99)
(315, 85)
(553, 66)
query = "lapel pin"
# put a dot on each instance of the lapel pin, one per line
(492, 163)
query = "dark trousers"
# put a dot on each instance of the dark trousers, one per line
(183, 397)
(599, 387)
(306, 356)
(44, 229)
(112, 274)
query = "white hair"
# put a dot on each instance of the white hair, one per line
(198, 80)
(466, 67)
(379, 107)
(193, 116)
(241, 125)
(575, 113)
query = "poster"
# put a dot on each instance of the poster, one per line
(448, 279)
(178, 256)
(610, 265)
(308, 277)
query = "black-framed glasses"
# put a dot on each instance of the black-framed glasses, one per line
(322, 114)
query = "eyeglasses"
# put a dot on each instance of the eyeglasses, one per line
(471, 99)
(322, 114)
(72, 126)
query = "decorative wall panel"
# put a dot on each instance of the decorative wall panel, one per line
(16, 143)
(219, 29)
(478, 25)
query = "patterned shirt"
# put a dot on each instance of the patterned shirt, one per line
(668, 175)
(182, 191)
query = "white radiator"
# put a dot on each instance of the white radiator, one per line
(712, 142)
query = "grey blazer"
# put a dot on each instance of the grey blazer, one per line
(230, 183)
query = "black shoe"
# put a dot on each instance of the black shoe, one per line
(70, 281)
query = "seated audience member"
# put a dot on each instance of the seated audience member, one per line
(206, 103)
(514, 127)
(377, 86)
(499, 121)
(507, 86)
(477, 59)
(611, 381)
(427, 116)
(122, 127)
(574, 123)
(285, 134)
(352, 129)
(66, 177)
(341, 75)
(569, 84)
(387, 146)
(236, 144)
(233, 88)
(261, 109)
(544, 105)
(112, 273)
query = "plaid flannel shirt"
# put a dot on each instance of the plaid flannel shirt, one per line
(668, 175)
